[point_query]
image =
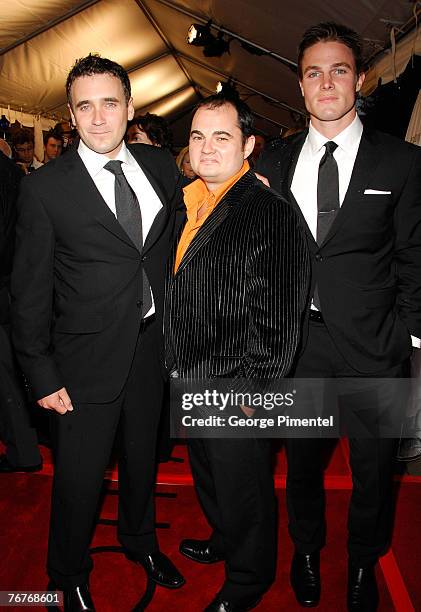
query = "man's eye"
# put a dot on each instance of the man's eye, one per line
(110, 105)
(340, 71)
(84, 107)
(196, 138)
(311, 75)
(222, 138)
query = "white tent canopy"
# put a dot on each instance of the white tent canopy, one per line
(41, 39)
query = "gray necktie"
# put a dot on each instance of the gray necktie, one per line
(327, 199)
(130, 218)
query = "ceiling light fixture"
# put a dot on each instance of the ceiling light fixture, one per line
(201, 36)
(227, 89)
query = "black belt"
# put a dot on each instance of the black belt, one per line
(316, 315)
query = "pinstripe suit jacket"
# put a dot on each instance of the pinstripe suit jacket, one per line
(234, 307)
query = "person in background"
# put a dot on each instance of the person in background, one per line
(259, 145)
(53, 145)
(184, 165)
(67, 133)
(151, 130)
(16, 430)
(5, 148)
(23, 150)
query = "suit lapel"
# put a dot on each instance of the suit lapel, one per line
(294, 153)
(161, 218)
(82, 190)
(216, 218)
(78, 181)
(365, 163)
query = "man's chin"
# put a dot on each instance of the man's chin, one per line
(104, 148)
(209, 171)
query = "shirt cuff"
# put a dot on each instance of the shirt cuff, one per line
(416, 342)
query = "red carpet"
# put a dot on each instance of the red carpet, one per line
(117, 584)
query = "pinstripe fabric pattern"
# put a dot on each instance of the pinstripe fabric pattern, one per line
(234, 307)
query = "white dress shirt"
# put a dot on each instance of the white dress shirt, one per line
(149, 202)
(304, 183)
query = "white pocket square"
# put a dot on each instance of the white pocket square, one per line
(376, 192)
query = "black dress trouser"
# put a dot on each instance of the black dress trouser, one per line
(16, 429)
(371, 461)
(83, 440)
(234, 482)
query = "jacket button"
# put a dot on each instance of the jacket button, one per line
(143, 258)
(139, 303)
(318, 257)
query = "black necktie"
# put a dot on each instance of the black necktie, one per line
(327, 192)
(327, 199)
(130, 218)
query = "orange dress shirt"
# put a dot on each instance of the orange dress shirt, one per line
(196, 196)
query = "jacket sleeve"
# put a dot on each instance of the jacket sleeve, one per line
(408, 246)
(32, 292)
(278, 282)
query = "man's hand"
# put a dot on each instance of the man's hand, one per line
(263, 179)
(249, 412)
(58, 401)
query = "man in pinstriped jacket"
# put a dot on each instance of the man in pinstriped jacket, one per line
(234, 307)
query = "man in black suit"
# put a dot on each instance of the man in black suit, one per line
(16, 430)
(233, 310)
(93, 235)
(359, 194)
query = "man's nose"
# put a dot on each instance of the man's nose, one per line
(327, 82)
(207, 146)
(97, 117)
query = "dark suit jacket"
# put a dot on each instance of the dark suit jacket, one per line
(10, 177)
(234, 307)
(368, 269)
(77, 282)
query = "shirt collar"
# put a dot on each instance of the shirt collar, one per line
(348, 140)
(95, 162)
(197, 191)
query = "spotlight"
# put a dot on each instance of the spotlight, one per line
(201, 36)
(228, 89)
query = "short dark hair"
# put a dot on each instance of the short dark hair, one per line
(52, 134)
(245, 116)
(332, 32)
(21, 136)
(95, 64)
(156, 128)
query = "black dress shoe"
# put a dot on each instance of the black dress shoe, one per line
(78, 599)
(305, 578)
(219, 604)
(159, 569)
(6, 467)
(200, 551)
(362, 589)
